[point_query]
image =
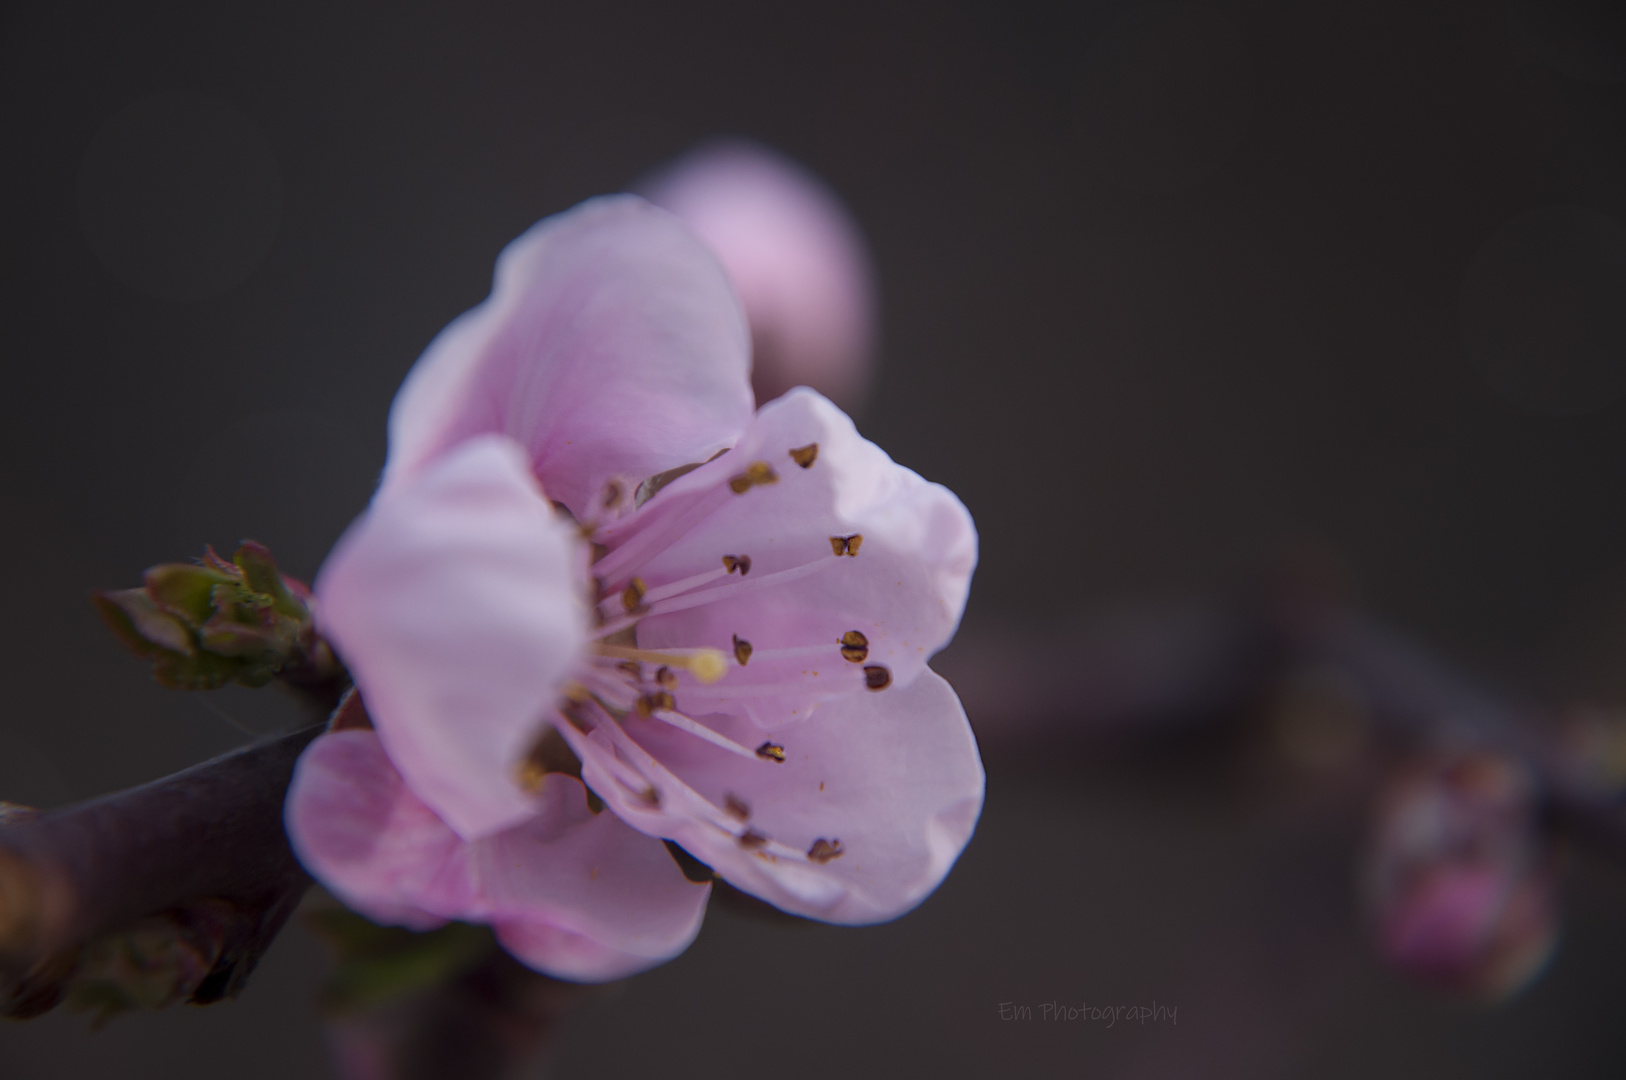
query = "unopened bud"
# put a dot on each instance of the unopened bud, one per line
(1460, 879)
(795, 256)
(213, 622)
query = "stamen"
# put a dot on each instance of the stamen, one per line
(623, 756)
(651, 539)
(665, 677)
(736, 806)
(614, 492)
(877, 677)
(751, 840)
(707, 596)
(549, 754)
(740, 562)
(824, 850)
(649, 704)
(805, 455)
(707, 665)
(668, 715)
(632, 597)
(847, 545)
(854, 646)
(631, 766)
(772, 751)
(755, 474)
(742, 650)
(683, 585)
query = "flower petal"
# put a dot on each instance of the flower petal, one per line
(583, 896)
(360, 832)
(575, 894)
(453, 603)
(894, 778)
(903, 591)
(611, 347)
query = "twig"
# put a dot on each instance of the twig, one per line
(203, 849)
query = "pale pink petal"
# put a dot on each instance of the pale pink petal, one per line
(796, 257)
(611, 347)
(453, 602)
(575, 894)
(893, 776)
(360, 832)
(904, 590)
(581, 895)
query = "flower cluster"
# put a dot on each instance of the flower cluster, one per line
(598, 603)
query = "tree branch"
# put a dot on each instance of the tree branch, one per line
(194, 869)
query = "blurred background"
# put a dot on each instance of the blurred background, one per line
(1168, 293)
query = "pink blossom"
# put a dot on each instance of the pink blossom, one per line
(735, 654)
(1459, 879)
(796, 258)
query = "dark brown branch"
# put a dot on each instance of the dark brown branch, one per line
(203, 851)
(1155, 672)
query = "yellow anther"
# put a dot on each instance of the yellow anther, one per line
(805, 455)
(706, 665)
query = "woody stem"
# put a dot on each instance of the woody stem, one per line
(212, 832)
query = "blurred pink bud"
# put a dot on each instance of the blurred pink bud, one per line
(1460, 881)
(795, 256)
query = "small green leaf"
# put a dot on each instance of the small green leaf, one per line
(260, 571)
(144, 626)
(184, 589)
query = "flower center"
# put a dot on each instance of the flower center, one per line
(622, 680)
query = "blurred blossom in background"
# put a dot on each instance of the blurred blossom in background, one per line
(795, 256)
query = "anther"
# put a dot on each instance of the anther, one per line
(665, 677)
(530, 776)
(549, 754)
(751, 840)
(614, 492)
(635, 669)
(771, 752)
(877, 677)
(758, 472)
(854, 647)
(846, 545)
(742, 650)
(824, 850)
(805, 455)
(660, 700)
(632, 597)
(737, 807)
(706, 665)
(742, 563)
(650, 795)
